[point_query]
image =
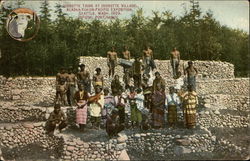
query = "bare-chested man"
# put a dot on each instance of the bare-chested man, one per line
(148, 60)
(191, 72)
(98, 78)
(127, 70)
(112, 61)
(126, 53)
(71, 80)
(61, 90)
(175, 61)
(84, 78)
(62, 75)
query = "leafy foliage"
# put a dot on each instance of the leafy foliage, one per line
(197, 35)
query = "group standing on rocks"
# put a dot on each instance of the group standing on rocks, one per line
(142, 105)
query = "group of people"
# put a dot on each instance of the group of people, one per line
(141, 105)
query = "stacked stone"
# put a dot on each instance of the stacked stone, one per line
(235, 86)
(226, 147)
(223, 101)
(75, 149)
(206, 69)
(20, 135)
(214, 118)
(171, 144)
(24, 89)
(14, 114)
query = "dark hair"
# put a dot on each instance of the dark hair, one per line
(139, 90)
(81, 65)
(157, 73)
(106, 89)
(98, 69)
(190, 62)
(98, 86)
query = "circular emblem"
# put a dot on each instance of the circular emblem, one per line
(22, 24)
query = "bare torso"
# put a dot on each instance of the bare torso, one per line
(98, 78)
(191, 71)
(148, 53)
(112, 55)
(71, 78)
(175, 54)
(83, 75)
(126, 55)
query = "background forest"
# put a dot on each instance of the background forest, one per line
(197, 35)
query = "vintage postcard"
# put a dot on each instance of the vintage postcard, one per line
(124, 80)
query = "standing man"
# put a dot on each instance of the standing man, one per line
(96, 105)
(126, 77)
(137, 70)
(71, 81)
(112, 61)
(126, 53)
(84, 78)
(158, 81)
(175, 61)
(148, 60)
(61, 91)
(172, 102)
(81, 99)
(62, 75)
(115, 85)
(132, 104)
(191, 72)
(98, 78)
(190, 101)
(120, 105)
(139, 99)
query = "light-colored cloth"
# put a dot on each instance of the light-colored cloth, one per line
(95, 109)
(119, 100)
(172, 99)
(139, 99)
(109, 105)
(179, 83)
(13, 29)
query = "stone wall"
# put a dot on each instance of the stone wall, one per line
(15, 114)
(174, 144)
(157, 144)
(23, 134)
(224, 101)
(76, 149)
(235, 86)
(206, 69)
(41, 91)
(28, 90)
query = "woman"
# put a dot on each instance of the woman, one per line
(158, 105)
(81, 99)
